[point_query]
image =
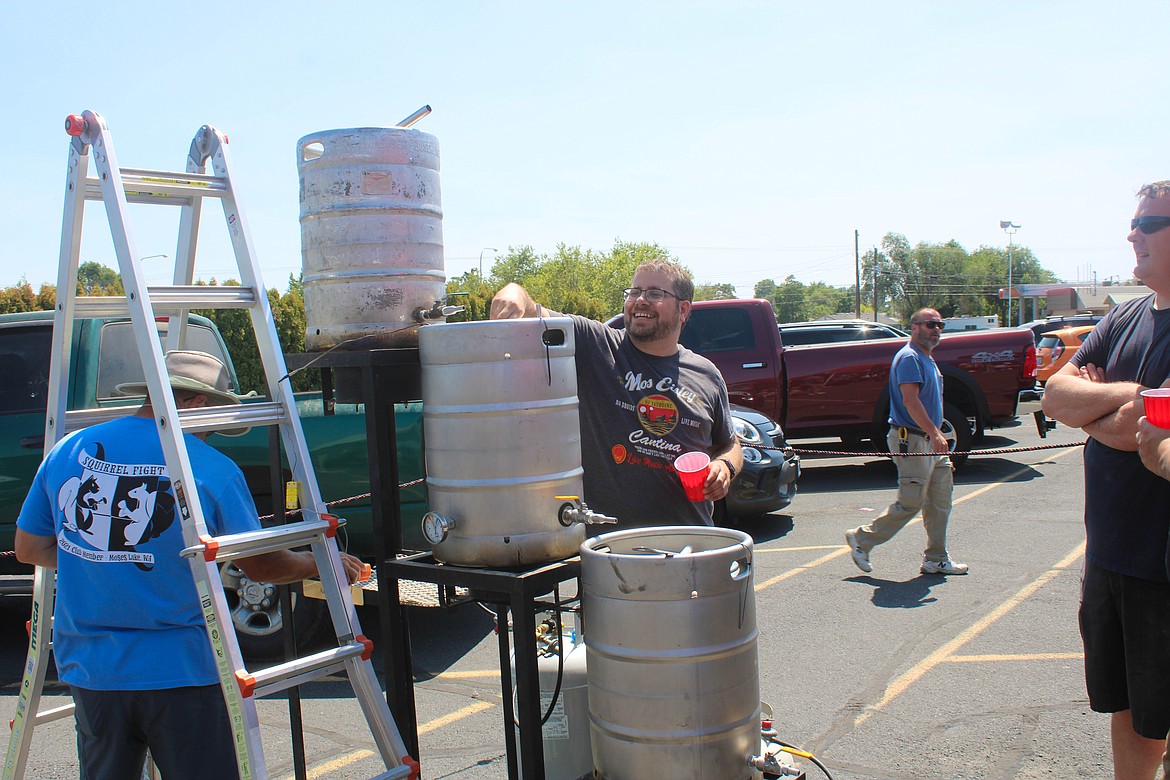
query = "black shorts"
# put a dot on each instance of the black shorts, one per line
(186, 729)
(1125, 626)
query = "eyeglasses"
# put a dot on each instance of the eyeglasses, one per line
(932, 324)
(1149, 225)
(652, 294)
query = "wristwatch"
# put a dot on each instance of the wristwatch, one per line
(730, 468)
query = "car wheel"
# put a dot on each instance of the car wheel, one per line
(258, 618)
(956, 428)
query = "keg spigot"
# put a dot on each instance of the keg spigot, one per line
(437, 312)
(574, 510)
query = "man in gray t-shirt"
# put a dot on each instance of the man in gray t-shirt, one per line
(645, 400)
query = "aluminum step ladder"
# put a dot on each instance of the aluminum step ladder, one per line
(117, 187)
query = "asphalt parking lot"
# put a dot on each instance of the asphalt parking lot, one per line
(889, 675)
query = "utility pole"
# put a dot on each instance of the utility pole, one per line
(875, 282)
(1010, 228)
(857, 273)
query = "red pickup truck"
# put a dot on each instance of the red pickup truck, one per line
(839, 389)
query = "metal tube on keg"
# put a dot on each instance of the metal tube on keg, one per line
(416, 116)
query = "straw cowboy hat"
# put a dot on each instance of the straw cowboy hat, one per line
(196, 372)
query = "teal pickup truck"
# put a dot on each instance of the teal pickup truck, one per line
(104, 355)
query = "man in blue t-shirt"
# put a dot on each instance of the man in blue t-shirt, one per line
(925, 473)
(1125, 593)
(128, 632)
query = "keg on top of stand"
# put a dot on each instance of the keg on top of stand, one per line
(502, 442)
(371, 236)
(671, 653)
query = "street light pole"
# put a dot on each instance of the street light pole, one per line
(1010, 228)
(485, 249)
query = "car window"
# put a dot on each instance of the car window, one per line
(24, 368)
(836, 334)
(118, 361)
(798, 337)
(1048, 342)
(718, 330)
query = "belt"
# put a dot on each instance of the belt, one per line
(903, 430)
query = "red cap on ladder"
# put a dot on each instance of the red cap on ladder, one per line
(75, 124)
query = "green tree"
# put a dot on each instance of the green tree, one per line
(714, 292)
(96, 279)
(18, 298)
(570, 280)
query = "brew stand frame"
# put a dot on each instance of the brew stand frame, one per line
(394, 375)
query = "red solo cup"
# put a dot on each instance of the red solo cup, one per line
(692, 468)
(1158, 406)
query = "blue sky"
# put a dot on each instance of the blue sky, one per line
(749, 138)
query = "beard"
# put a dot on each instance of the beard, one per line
(647, 331)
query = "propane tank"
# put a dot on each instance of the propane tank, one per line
(568, 753)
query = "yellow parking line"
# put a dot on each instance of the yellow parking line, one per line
(321, 770)
(944, 653)
(459, 714)
(837, 553)
(465, 675)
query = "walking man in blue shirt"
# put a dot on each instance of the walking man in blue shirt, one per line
(925, 473)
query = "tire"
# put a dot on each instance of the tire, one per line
(259, 621)
(957, 430)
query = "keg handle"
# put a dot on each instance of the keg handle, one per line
(668, 553)
(437, 312)
(574, 510)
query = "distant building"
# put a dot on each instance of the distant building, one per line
(1065, 299)
(867, 316)
(971, 323)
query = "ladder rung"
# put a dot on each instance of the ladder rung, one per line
(83, 418)
(282, 537)
(218, 418)
(399, 771)
(276, 678)
(207, 419)
(56, 713)
(167, 188)
(169, 298)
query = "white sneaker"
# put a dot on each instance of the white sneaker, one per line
(860, 556)
(945, 566)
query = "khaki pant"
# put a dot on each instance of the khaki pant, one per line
(925, 484)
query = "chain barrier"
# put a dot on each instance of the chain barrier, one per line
(883, 454)
(343, 501)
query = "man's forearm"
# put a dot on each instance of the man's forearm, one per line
(1078, 402)
(918, 413)
(1117, 429)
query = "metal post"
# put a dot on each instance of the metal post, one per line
(485, 249)
(1010, 228)
(857, 274)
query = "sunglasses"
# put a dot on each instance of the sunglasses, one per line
(932, 324)
(1149, 225)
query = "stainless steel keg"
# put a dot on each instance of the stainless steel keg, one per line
(502, 440)
(670, 634)
(371, 236)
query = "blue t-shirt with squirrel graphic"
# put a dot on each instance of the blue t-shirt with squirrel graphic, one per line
(127, 615)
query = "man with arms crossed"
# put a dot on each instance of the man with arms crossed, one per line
(1125, 595)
